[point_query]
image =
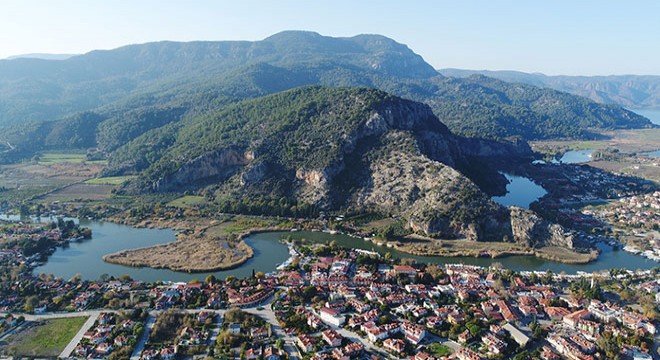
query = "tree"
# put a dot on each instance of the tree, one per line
(211, 279)
(114, 303)
(30, 303)
(309, 292)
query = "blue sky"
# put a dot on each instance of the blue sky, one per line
(576, 37)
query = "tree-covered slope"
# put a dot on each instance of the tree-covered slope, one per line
(482, 106)
(319, 148)
(37, 89)
(147, 90)
(632, 91)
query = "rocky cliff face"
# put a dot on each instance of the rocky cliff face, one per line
(395, 157)
(214, 166)
(528, 228)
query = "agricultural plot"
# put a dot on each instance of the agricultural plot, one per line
(44, 339)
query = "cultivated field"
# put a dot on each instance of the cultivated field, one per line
(187, 201)
(44, 339)
(80, 191)
(27, 180)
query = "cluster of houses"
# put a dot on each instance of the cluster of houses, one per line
(104, 337)
(248, 296)
(388, 306)
(167, 352)
(639, 211)
(582, 183)
(187, 336)
(364, 296)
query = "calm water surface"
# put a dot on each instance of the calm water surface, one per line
(520, 191)
(653, 153)
(85, 258)
(651, 114)
(607, 259)
(576, 156)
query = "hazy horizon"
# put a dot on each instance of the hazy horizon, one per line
(555, 38)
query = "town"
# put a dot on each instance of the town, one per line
(636, 220)
(335, 303)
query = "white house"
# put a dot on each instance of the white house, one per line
(332, 316)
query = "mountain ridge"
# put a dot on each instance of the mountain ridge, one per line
(277, 154)
(634, 91)
(166, 83)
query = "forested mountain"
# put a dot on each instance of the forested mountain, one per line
(113, 99)
(37, 89)
(631, 91)
(319, 148)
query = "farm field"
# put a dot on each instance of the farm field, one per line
(44, 339)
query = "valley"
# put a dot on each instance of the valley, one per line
(160, 187)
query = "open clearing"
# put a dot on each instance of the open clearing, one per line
(81, 192)
(45, 339)
(57, 157)
(187, 201)
(629, 141)
(23, 181)
(110, 180)
(439, 350)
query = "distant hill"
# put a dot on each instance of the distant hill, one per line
(631, 91)
(145, 91)
(42, 56)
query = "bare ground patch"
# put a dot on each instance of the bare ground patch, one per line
(81, 191)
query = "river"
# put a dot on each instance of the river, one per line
(607, 259)
(520, 191)
(85, 257)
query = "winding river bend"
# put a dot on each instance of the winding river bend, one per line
(85, 258)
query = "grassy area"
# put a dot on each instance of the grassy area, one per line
(55, 158)
(438, 350)
(81, 192)
(187, 201)
(110, 180)
(48, 338)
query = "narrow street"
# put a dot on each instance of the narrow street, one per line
(268, 315)
(139, 346)
(76, 339)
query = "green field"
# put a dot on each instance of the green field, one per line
(439, 350)
(110, 180)
(48, 338)
(54, 158)
(187, 201)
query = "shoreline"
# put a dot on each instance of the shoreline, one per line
(187, 226)
(195, 240)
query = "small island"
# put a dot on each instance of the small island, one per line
(187, 254)
(201, 245)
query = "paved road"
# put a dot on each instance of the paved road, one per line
(76, 339)
(213, 335)
(289, 341)
(58, 315)
(139, 346)
(355, 337)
